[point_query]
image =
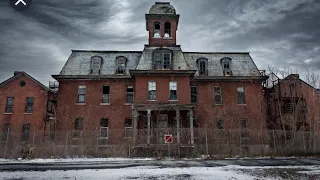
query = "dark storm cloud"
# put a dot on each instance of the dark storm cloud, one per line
(284, 34)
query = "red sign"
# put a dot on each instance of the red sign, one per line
(168, 138)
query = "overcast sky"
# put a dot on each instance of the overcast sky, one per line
(280, 33)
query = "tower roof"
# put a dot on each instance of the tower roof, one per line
(162, 8)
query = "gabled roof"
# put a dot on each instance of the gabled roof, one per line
(22, 73)
(295, 76)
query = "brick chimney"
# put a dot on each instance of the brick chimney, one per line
(16, 73)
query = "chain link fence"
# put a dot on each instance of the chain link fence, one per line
(119, 143)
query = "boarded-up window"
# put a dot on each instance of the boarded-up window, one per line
(241, 95)
(217, 95)
(194, 94)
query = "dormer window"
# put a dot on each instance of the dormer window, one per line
(167, 30)
(156, 30)
(226, 66)
(96, 62)
(203, 66)
(162, 59)
(121, 65)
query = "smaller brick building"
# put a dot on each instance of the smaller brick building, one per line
(24, 107)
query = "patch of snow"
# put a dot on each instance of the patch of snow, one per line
(134, 173)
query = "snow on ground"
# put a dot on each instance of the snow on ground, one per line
(65, 160)
(141, 172)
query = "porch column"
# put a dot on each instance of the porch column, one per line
(178, 125)
(191, 126)
(135, 125)
(148, 131)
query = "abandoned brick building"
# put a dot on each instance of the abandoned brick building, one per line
(160, 88)
(25, 107)
(292, 104)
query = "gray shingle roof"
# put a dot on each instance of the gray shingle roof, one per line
(79, 62)
(162, 8)
(241, 63)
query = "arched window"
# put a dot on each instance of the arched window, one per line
(202, 66)
(156, 29)
(167, 29)
(121, 64)
(226, 66)
(162, 59)
(78, 127)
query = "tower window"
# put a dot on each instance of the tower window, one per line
(121, 65)
(203, 66)
(167, 29)
(156, 30)
(162, 59)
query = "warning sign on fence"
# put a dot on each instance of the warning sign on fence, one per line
(168, 138)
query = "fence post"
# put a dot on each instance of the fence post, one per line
(274, 142)
(66, 148)
(7, 139)
(34, 134)
(207, 148)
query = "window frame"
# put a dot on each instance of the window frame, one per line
(241, 101)
(202, 64)
(104, 129)
(95, 59)
(121, 65)
(156, 30)
(105, 99)
(128, 94)
(128, 128)
(9, 107)
(219, 124)
(173, 87)
(152, 87)
(194, 95)
(78, 127)
(25, 132)
(167, 30)
(29, 105)
(82, 93)
(217, 94)
(160, 60)
(226, 66)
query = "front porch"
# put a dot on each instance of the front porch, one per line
(152, 122)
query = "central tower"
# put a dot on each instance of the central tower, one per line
(162, 24)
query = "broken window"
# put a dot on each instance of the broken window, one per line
(194, 94)
(128, 127)
(81, 94)
(25, 131)
(203, 66)
(156, 30)
(96, 62)
(121, 65)
(152, 90)
(219, 124)
(241, 95)
(104, 127)
(129, 94)
(226, 66)
(167, 29)
(9, 105)
(5, 131)
(106, 94)
(29, 105)
(162, 59)
(78, 127)
(173, 90)
(217, 95)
